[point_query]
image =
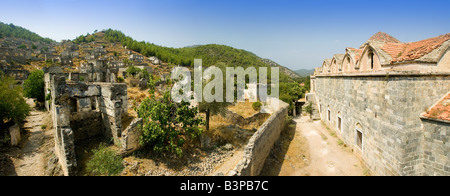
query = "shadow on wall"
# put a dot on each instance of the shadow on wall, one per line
(277, 156)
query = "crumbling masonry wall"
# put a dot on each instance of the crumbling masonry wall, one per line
(259, 146)
(80, 111)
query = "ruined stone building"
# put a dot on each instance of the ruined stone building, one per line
(15, 71)
(136, 57)
(84, 109)
(389, 102)
(97, 70)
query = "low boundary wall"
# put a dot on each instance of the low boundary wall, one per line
(259, 146)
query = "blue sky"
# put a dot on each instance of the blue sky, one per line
(295, 33)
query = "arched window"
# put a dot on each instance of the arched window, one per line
(339, 122)
(347, 66)
(329, 114)
(359, 137)
(371, 55)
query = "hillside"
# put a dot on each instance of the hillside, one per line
(304, 72)
(283, 69)
(210, 54)
(12, 31)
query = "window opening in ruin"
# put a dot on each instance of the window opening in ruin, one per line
(359, 138)
(94, 104)
(73, 105)
(329, 115)
(339, 123)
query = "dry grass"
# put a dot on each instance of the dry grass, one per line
(223, 130)
(135, 94)
(244, 109)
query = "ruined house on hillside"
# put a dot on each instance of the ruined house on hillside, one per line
(86, 105)
(136, 57)
(381, 97)
(97, 70)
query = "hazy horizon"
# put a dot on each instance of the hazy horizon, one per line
(295, 34)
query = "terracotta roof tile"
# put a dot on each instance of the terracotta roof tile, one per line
(414, 50)
(384, 37)
(355, 53)
(441, 110)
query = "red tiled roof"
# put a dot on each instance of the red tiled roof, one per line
(384, 37)
(356, 53)
(414, 50)
(441, 110)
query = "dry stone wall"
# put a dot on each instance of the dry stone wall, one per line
(259, 146)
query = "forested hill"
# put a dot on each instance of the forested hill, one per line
(12, 31)
(304, 72)
(210, 54)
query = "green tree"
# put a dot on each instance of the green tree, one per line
(133, 71)
(151, 84)
(12, 105)
(91, 38)
(34, 86)
(10, 30)
(127, 62)
(215, 107)
(167, 125)
(291, 93)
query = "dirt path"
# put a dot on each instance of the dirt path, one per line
(29, 160)
(327, 157)
(307, 148)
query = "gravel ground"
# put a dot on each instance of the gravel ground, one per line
(201, 163)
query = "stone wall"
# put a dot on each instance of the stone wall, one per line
(311, 99)
(131, 135)
(436, 160)
(14, 133)
(18, 75)
(241, 121)
(385, 110)
(81, 111)
(259, 146)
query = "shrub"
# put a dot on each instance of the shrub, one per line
(134, 82)
(132, 71)
(167, 125)
(104, 162)
(12, 105)
(120, 79)
(309, 108)
(5, 140)
(34, 86)
(256, 105)
(48, 97)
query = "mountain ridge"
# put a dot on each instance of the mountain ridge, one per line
(304, 72)
(13, 31)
